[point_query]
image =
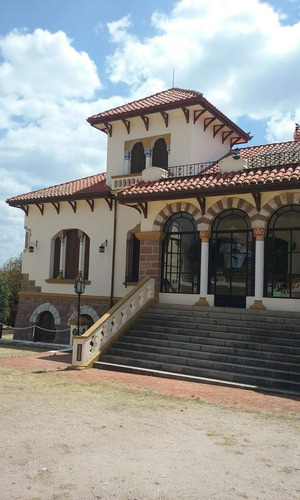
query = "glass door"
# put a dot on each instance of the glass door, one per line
(231, 259)
(181, 255)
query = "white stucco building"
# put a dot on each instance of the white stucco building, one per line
(215, 221)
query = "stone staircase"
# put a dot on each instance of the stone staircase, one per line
(239, 347)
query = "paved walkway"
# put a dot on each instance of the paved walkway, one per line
(60, 363)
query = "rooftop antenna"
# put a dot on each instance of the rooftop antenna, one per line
(173, 78)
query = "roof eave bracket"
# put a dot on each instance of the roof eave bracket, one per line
(202, 203)
(257, 200)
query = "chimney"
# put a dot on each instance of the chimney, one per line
(297, 132)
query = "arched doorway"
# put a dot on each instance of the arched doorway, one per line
(180, 255)
(45, 327)
(282, 254)
(231, 259)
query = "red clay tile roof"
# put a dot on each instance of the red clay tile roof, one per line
(85, 188)
(162, 101)
(212, 181)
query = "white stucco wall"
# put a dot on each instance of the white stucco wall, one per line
(98, 225)
(189, 142)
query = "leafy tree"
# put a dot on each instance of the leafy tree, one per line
(4, 301)
(10, 274)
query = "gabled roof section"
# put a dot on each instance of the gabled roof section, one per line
(164, 101)
(278, 168)
(79, 189)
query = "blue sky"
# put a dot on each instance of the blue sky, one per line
(62, 61)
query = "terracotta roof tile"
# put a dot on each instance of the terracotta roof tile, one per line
(153, 102)
(212, 179)
(94, 185)
(162, 101)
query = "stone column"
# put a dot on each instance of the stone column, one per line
(150, 256)
(62, 256)
(148, 154)
(205, 236)
(259, 234)
(127, 158)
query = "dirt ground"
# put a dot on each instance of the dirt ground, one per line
(97, 435)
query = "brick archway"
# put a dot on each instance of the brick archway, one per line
(173, 208)
(227, 204)
(46, 307)
(89, 311)
(277, 202)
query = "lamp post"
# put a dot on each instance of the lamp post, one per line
(79, 287)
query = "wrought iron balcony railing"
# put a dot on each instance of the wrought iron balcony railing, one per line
(189, 169)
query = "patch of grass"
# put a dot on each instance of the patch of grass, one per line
(228, 441)
(12, 351)
(288, 470)
(212, 433)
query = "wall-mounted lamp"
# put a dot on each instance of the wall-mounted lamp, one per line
(32, 246)
(235, 154)
(102, 247)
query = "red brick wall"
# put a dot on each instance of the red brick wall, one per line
(150, 261)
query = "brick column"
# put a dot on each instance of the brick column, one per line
(150, 256)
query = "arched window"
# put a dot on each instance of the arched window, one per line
(282, 253)
(181, 255)
(231, 259)
(138, 159)
(68, 260)
(160, 154)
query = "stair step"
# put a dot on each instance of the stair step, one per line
(213, 375)
(289, 354)
(227, 326)
(228, 346)
(223, 364)
(247, 357)
(200, 335)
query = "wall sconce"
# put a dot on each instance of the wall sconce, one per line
(102, 247)
(32, 246)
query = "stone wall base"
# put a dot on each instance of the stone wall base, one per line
(65, 307)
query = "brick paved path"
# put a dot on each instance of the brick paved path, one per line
(59, 364)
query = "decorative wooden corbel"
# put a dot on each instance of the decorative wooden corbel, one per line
(165, 117)
(146, 121)
(257, 200)
(186, 113)
(56, 206)
(217, 128)
(202, 203)
(40, 207)
(108, 129)
(109, 201)
(198, 113)
(127, 125)
(91, 204)
(208, 121)
(73, 204)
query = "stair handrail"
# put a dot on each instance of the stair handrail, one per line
(88, 347)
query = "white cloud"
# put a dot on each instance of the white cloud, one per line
(237, 53)
(45, 64)
(47, 90)
(279, 127)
